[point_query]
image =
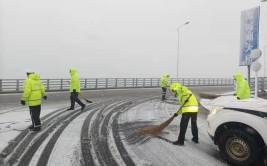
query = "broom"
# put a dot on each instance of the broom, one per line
(156, 130)
(88, 101)
(211, 96)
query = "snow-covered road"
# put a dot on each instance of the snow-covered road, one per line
(102, 134)
(160, 150)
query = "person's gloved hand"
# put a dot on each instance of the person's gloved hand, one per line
(238, 98)
(186, 100)
(175, 114)
(74, 90)
(45, 97)
(22, 102)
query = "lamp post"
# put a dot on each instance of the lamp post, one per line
(178, 30)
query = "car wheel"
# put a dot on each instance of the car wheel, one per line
(239, 147)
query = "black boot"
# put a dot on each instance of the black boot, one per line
(195, 140)
(36, 129)
(30, 127)
(178, 143)
(71, 108)
(83, 107)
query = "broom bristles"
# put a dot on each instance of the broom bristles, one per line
(88, 101)
(154, 130)
(208, 96)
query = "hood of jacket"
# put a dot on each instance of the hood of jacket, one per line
(238, 77)
(183, 90)
(34, 77)
(73, 71)
(175, 86)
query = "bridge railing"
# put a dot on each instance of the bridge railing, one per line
(262, 85)
(16, 85)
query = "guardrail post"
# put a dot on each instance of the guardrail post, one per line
(151, 82)
(85, 83)
(263, 81)
(143, 82)
(136, 83)
(133, 82)
(116, 82)
(47, 84)
(124, 82)
(61, 84)
(106, 83)
(17, 85)
(158, 81)
(96, 81)
(1, 89)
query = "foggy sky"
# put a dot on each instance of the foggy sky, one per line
(123, 38)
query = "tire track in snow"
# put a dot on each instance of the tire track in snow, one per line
(155, 146)
(24, 138)
(85, 139)
(99, 136)
(63, 121)
(28, 138)
(115, 130)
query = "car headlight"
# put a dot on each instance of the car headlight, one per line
(215, 109)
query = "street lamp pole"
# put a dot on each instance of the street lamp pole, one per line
(178, 30)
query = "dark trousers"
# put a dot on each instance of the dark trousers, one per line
(163, 93)
(74, 98)
(35, 115)
(184, 124)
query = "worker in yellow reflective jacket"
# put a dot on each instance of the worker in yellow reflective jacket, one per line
(164, 83)
(242, 89)
(33, 92)
(174, 86)
(190, 110)
(75, 90)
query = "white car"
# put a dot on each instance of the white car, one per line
(239, 128)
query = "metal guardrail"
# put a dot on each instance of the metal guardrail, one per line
(262, 85)
(16, 85)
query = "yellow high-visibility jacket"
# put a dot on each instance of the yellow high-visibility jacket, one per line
(183, 94)
(33, 90)
(164, 81)
(243, 89)
(75, 81)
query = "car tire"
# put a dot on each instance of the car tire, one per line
(239, 147)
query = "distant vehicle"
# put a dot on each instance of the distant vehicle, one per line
(239, 128)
